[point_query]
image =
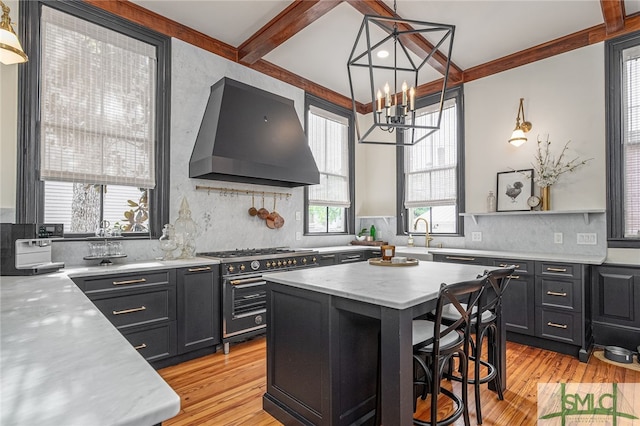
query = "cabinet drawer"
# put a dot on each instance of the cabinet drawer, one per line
(568, 270)
(523, 267)
(350, 257)
(155, 342)
(559, 293)
(122, 282)
(135, 309)
(327, 259)
(455, 258)
(562, 326)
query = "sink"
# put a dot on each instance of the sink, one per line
(420, 253)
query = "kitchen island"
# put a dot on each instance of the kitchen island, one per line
(324, 325)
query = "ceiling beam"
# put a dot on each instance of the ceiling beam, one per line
(415, 42)
(613, 14)
(297, 16)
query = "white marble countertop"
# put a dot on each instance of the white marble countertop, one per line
(141, 266)
(416, 250)
(551, 257)
(398, 287)
(63, 363)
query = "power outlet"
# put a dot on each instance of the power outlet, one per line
(587, 238)
(476, 236)
(298, 216)
(298, 236)
(557, 237)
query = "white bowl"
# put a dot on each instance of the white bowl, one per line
(360, 237)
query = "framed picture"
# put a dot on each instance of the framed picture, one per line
(514, 188)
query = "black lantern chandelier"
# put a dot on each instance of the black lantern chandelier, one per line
(394, 68)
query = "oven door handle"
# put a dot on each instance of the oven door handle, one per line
(247, 281)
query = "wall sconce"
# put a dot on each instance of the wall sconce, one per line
(10, 49)
(522, 127)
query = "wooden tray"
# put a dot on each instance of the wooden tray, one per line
(369, 243)
(379, 262)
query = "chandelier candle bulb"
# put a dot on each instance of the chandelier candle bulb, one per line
(412, 99)
(379, 96)
(404, 93)
(387, 96)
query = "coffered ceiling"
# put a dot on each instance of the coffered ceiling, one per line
(308, 42)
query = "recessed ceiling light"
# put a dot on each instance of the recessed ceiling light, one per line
(382, 54)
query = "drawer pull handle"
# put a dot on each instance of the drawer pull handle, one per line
(142, 346)
(141, 280)
(553, 324)
(467, 259)
(555, 293)
(514, 277)
(504, 265)
(557, 269)
(328, 256)
(204, 268)
(130, 311)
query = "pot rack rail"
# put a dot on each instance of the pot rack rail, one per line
(236, 191)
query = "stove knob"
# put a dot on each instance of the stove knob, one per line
(289, 262)
(304, 260)
(313, 259)
(231, 268)
(279, 263)
(268, 265)
(242, 267)
(295, 262)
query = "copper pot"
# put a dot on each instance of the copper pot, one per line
(252, 210)
(263, 213)
(274, 220)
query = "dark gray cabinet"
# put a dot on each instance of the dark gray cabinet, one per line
(198, 307)
(545, 304)
(327, 259)
(142, 306)
(559, 302)
(518, 305)
(615, 304)
(340, 257)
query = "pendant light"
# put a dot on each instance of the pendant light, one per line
(10, 49)
(382, 55)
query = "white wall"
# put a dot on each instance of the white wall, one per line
(8, 130)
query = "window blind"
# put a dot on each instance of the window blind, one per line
(430, 166)
(631, 141)
(98, 104)
(328, 136)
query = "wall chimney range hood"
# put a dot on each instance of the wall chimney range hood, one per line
(249, 135)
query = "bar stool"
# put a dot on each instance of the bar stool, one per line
(490, 309)
(435, 345)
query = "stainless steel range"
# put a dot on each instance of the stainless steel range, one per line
(243, 281)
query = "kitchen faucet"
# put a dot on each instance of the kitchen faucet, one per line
(426, 225)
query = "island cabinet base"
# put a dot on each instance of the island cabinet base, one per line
(322, 360)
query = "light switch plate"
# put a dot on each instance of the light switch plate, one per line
(476, 236)
(298, 217)
(557, 237)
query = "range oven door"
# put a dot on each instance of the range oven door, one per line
(244, 304)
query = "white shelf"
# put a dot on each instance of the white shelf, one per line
(584, 213)
(385, 218)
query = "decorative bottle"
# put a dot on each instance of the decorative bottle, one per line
(168, 242)
(372, 232)
(185, 229)
(491, 202)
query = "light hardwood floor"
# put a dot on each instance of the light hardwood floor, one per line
(225, 390)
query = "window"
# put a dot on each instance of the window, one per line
(430, 173)
(96, 139)
(623, 140)
(330, 135)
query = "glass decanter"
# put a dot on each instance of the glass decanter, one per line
(168, 242)
(185, 229)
